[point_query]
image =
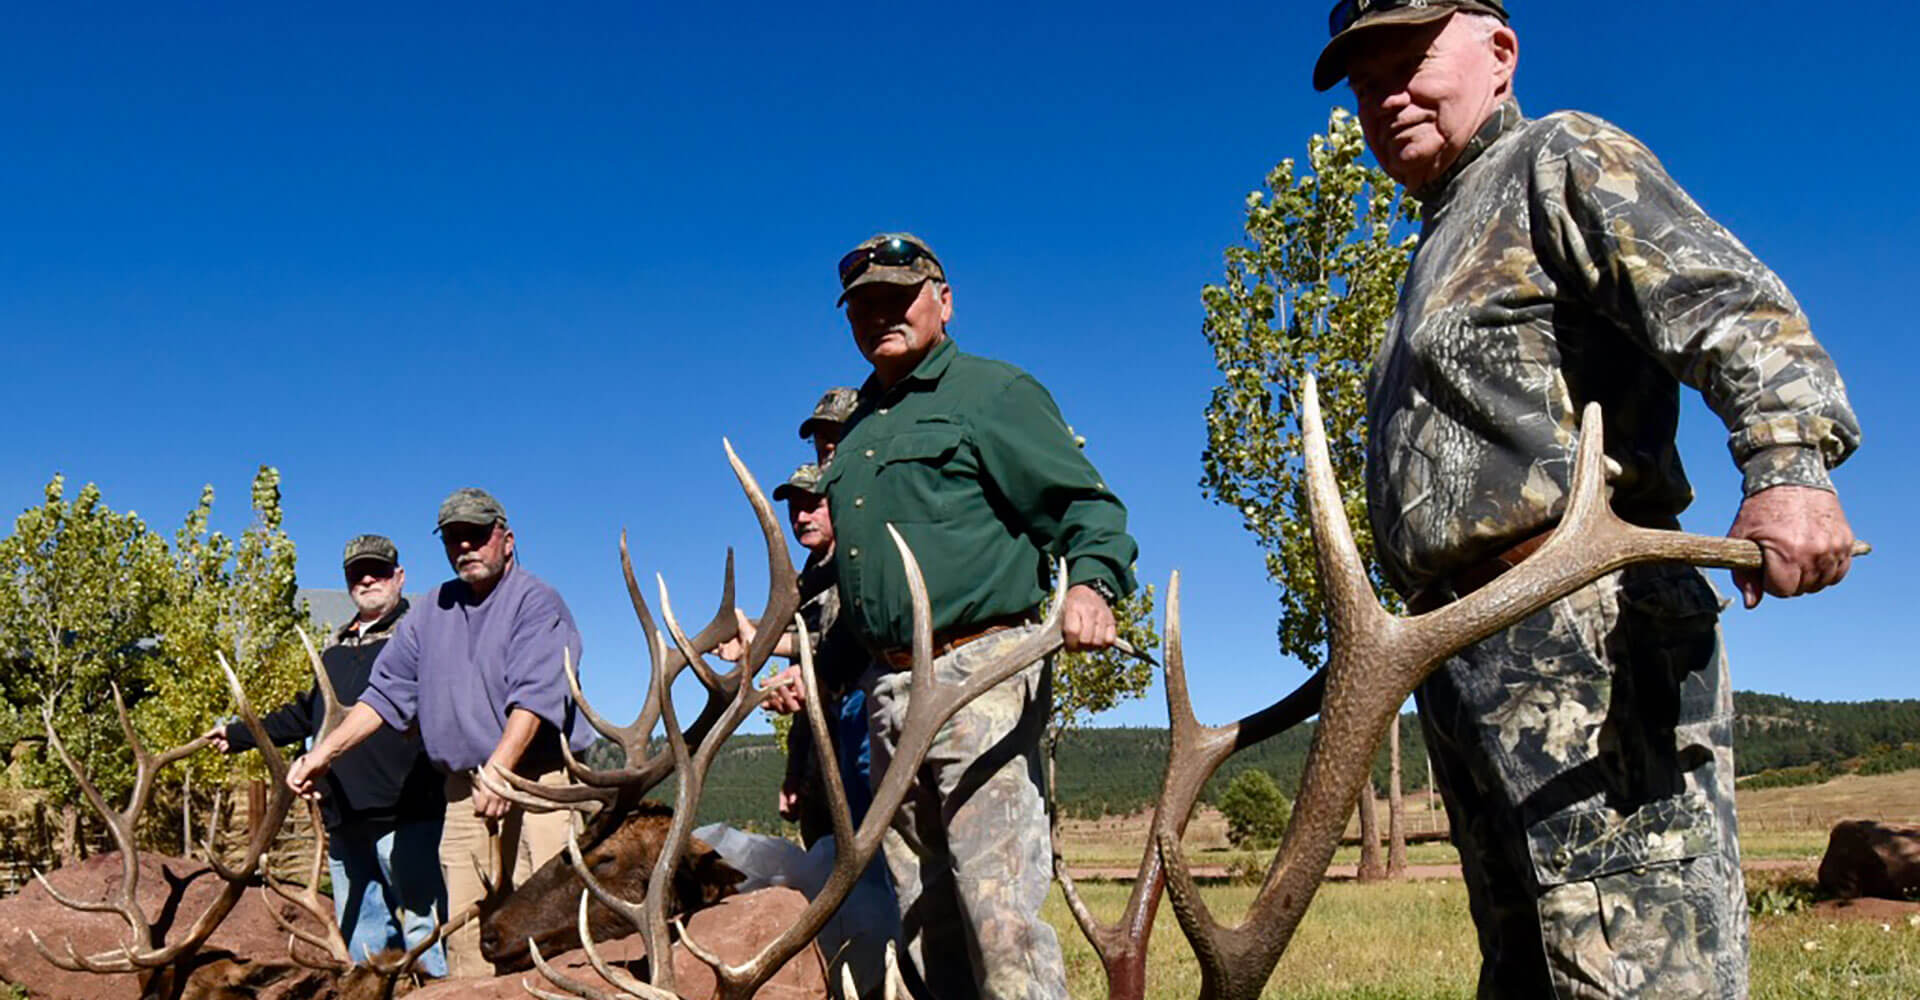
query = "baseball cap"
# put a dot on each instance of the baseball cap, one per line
(370, 547)
(805, 479)
(470, 505)
(1351, 18)
(833, 408)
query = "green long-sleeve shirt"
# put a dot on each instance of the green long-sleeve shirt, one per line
(971, 462)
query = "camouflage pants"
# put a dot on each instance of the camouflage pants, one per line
(1586, 759)
(970, 851)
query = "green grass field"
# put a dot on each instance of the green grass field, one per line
(1414, 941)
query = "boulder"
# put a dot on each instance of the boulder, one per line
(172, 892)
(1869, 859)
(734, 929)
(249, 948)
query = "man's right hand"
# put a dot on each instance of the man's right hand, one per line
(790, 697)
(307, 769)
(217, 737)
(790, 799)
(1805, 542)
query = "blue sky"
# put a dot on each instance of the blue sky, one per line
(561, 250)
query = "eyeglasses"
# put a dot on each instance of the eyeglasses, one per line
(1346, 12)
(895, 252)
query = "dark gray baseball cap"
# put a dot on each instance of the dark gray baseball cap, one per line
(370, 547)
(1350, 19)
(470, 505)
(834, 408)
(805, 479)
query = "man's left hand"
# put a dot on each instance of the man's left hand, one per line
(1085, 620)
(487, 805)
(1805, 542)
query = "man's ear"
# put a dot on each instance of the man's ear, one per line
(400, 577)
(946, 302)
(1506, 57)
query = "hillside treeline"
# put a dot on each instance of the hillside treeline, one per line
(1118, 771)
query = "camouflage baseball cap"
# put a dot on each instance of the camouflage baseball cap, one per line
(895, 258)
(470, 505)
(1351, 18)
(805, 479)
(833, 408)
(370, 547)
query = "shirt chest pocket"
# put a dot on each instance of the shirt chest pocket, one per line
(922, 472)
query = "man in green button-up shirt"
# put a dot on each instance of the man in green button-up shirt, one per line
(970, 461)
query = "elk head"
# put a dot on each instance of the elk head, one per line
(620, 850)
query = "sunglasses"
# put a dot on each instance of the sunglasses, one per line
(895, 252)
(369, 568)
(477, 534)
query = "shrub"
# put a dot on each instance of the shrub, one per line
(1255, 810)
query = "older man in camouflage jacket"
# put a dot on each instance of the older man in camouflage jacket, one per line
(1586, 753)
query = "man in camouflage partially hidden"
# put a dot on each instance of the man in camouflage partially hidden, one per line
(1585, 754)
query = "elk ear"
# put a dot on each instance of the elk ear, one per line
(705, 879)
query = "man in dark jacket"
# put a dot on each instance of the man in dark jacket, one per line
(383, 801)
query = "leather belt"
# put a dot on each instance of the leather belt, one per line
(1448, 589)
(949, 639)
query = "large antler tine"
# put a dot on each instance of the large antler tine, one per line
(922, 612)
(1179, 702)
(683, 645)
(616, 977)
(116, 824)
(1189, 906)
(269, 754)
(329, 696)
(554, 976)
(1350, 600)
(783, 582)
(839, 811)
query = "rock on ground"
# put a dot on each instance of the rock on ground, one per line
(174, 891)
(1865, 858)
(734, 929)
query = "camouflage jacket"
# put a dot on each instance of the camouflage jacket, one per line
(1558, 264)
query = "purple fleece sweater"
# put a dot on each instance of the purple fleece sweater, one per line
(457, 667)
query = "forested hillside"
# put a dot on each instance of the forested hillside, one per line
(1117, 771)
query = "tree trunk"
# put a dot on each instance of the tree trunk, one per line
(67, 838)
(186, 816)
(1371, 870)
(1396, 808)
(1433, 815)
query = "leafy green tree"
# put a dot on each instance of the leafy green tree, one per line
(1255, 809)
(234, 598)
(79, 586)
(1310, 291)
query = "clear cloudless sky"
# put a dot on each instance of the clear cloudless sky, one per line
(561, 250)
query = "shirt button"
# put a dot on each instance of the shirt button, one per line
(853, 553)
(882, 411)
(869, 452)
(859, 501)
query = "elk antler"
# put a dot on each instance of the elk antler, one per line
(143, 949)
(930, 705)
(1376, 660)
(1195, 752)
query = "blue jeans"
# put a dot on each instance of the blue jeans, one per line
(387, 891)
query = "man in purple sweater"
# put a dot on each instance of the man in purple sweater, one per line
(476, 669)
